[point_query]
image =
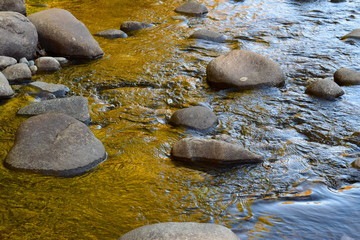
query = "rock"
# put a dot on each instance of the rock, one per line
(112, 33)
(76, 107)
(13, 6)
(63, 61)
(59, 90)
(5, 88)
(243, 70)
(346, 76)
(33, 69)
(47, 64)
(356, 163)
(18, 73)
(55, 144)
(354, 34)
(62, 34)
(208, 35)
(181, 231)
(354, 138)
(24, 60)
(192, 8)
(197, 117)
(211, 151)
(325, 88)
(130, 26)
(6, 61)
(18, 36)
(31, 63)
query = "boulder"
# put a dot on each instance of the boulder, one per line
(356, 163)
(59, 90)
(198, 117)
(62, 34)
(192, 8)
(55, 144)
(18, 73)
(6, 61)
(76, 107)
(47, 64)
(18, 36)
(346, 76)
(13, 6)
(24, 60)
(63, 61)
(243, 70)
(5, 88)
(130, 26)
(354, 34)
(181, 231)
(325, 88)
(212, 151)
(208, 35)
(112, 34)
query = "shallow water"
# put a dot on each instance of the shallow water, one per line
(306, 189)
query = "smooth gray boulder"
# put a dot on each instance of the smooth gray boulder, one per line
(356, 163)
(18, 36)
(346, 76)
(76, 107)
(192, 8)
(325, 88)
(13, 6)
(47, 64)
(353, 34)
(198, 117)
(6, 61)
(181, 231)
(243, 70)
(62, 34)
(130, 26)
(5, 88)
(209, 36)
(112, 34)
(59, 90)
(55, 144)
(18, 73)
(212, 152)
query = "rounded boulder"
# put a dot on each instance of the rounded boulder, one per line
(13, 5)
(346, 76)
(325, 88)
(5, 88)
(47, 64)
(192, 8)
(198, 117)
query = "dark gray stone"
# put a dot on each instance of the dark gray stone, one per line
(192, 8)
(6, 61)
(112, 34)
(76, 107)
(18, 36)
(18, 73)
(59, 90)
(181, 231)
(13, 6)
(211, 151)
(354, 34)
(130, 26)
(55, 144)
(198, 117)
(208, 35)
(356, 163)
(243, 70)
(47, 64)
(325, 88)
(62, 34)
(5, 88)
(346, 76)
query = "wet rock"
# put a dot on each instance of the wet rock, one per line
(325, 88)
(5, 88)
(18, 73)
(62, 34)
(243, 70)
(18, 36)
(354, 34)
(13, 6)
(346, 76)
(130, 26)
(55, 144)
(76, 107)
(354, 138)
(47, 64)
(211, 151)
(356, 163)
(192, 8)
(208, 35)
(181, 231)
(112, 34)
(63, 61)
(198, 117)
(6, 61)
(59, 90)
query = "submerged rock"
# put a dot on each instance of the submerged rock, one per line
(18, 73)
(62, 34)
(181, 231)
(198, 117)
(130, 26)
(13, 6)
(192, 8)
(47, 64)
(354, 34)
(59, 90)
(55, 144)
(325, 88)
(6, 61)
(211, 151)
(208, 35)
(243, 70)
(5, 88)
(346, 76)
(112, 34)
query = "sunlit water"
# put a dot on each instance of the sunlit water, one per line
(306, 189)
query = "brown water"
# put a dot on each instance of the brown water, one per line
(306, 189)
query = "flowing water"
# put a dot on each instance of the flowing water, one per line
(306, 189)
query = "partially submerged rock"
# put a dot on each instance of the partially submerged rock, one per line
(198, 117)
(18, 73)
(6, 61)
(55, 144)
(354, 34)
(112, 34)
(5, 88)
(209, 35)
(130, 26)
(13, 6)
(211, 151)
(47, 64)
(325, 88)
(181, 231)
(59, 90)
(192, 8)
(346, 76)
(356, 163)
